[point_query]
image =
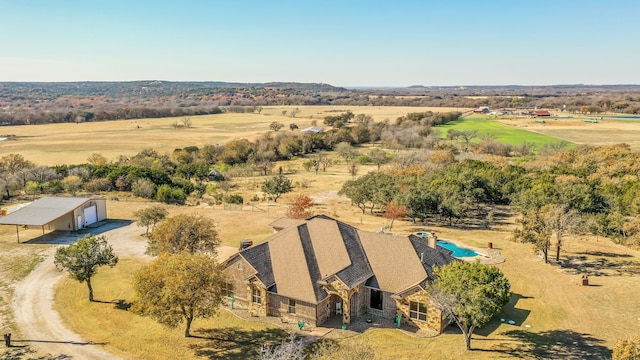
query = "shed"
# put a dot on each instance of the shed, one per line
(311, 130)
(58, 213)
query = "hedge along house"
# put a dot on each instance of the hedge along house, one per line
(323, 268)
(58, 213)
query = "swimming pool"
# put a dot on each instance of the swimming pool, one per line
(457, 251)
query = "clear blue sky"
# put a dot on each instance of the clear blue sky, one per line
(343, 43)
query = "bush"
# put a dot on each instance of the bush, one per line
(233, 199)
(170, 195)
(363, 160)
(143, 188)
(53, 187)
(186, 186)
(98, 185)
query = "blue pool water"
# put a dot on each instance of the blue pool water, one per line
(457, 251)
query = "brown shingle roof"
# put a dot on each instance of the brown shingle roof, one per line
(328, 245)
(293, 261)
(290, 269)
(393, 260)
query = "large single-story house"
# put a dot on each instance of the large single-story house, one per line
(58, 213)
(321, 268)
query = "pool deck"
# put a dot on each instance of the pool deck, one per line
(485, 256)
(494, 257)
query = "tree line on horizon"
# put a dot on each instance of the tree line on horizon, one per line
(38, 103)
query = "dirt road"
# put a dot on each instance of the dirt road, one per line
(41, 326)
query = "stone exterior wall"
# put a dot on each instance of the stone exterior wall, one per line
(341, 293)
(388, 304)
(258, 309)
(279, 306)
(236, 272)
(434, 315)
(360, 302)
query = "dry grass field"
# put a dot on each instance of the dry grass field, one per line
(566, 320)
(57, 144)
(556, 317)
(575, 130)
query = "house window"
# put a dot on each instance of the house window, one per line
(256, 295)
(375, 299)
(292, 307)
(227, 289)
(418, 311)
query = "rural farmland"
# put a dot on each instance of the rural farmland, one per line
(545, 298)
(277, 180)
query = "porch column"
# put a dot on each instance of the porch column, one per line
(346, 311)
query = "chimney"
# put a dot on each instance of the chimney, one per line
(433, 240)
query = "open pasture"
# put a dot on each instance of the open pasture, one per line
(501, 132)
(71, 143)
(577, 131)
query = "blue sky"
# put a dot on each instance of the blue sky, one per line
(343, 43)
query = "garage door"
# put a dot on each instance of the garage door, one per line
(91, 215)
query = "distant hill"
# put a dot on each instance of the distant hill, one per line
(152, 88)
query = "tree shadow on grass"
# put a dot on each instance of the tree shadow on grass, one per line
(601, 265)
(119, 304)
(510, 313)
(27, 353)
(556, 344)
(235, 343)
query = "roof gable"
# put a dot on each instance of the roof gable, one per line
(328, 245)
(258, 256)
(393, 260)
(289, 264)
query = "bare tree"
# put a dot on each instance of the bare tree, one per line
(186, 122)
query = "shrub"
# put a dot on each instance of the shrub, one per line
(170, 195)
(98, 185)
(143, 188)
(233, 199)
(363, 160)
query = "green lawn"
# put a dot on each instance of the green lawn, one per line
(503, 133)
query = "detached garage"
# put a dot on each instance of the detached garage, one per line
(58, 213)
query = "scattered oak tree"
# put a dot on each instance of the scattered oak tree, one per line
(470, 294)
(538, 225)
(276, 186)
(276, 126)
(560, 220)
(394, 211)
(83, 258)
(150, 216)
(379, 157)
(534, 231)
(97, 159)
(190, 233)
(301, 207)
(178, 288)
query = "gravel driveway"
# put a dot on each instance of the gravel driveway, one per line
(41, 326)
